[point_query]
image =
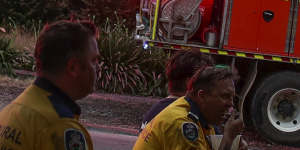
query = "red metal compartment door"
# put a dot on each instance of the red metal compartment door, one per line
(296, 51)
(244, 25)
(273, 29)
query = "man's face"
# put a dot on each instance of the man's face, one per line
(87, 76)
(218, 101)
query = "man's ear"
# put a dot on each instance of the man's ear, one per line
(73, 67)
(200, 99)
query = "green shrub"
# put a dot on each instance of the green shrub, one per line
(154, 71)
(124, 67)
(7, 54)
(156, 85)
(119, 64)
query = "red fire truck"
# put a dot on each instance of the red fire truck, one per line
(261, 38)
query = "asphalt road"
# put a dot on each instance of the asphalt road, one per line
(111, 141)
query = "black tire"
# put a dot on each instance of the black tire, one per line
(271, 86)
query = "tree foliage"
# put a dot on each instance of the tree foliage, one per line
(22, 12)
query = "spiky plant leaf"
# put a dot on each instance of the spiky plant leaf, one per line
(127, 64)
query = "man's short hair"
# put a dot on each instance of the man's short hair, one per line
(60, 41)
(205, 78)
(182, 66)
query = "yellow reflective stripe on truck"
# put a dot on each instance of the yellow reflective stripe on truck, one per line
(241, 54)
(222, 52)
(204, 50)
(227, 52)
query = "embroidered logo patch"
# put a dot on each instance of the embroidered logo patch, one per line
(190, 131)
(74, 140)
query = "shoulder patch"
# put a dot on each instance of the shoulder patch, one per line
(190, 131)
(74, 140)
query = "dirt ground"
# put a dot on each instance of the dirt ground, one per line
(117, 111)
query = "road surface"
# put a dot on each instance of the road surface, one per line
(110, 141)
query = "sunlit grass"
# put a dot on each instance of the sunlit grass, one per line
(23, 41)
(20, 40)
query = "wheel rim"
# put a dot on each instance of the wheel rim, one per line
(284, 110)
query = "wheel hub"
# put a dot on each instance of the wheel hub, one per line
(284, 110)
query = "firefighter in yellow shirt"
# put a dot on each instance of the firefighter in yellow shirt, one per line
(186, 123)
(45, 115)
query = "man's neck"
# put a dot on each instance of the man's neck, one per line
(60, 83)
(176, 94)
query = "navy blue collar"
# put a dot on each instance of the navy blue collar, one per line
(63, 104)
(196, 111)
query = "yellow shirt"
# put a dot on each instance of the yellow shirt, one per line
(173, 129)
(40, 120)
